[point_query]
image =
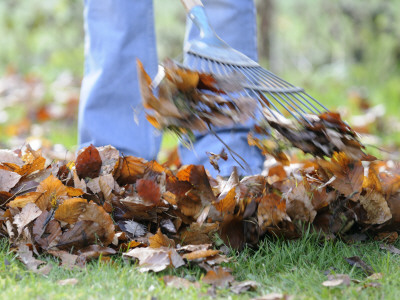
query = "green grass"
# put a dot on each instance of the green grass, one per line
(292, 267)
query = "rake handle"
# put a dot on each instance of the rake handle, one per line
(189, 4)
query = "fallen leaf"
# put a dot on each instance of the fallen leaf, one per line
(243, 286)
(95, 251)
(29, 213)
(8, 180)
(274, 296)
(200, 254)
(88, 163)
(53, 190)
(26, 256)
(70, 210)
(390, 248)
(148, 190)
(337, 280)
(21, 201)
(359, 263)
(218, 277)
(156, 260)
(349, 174)
(68, 281)
(179, 283)
(161, 240)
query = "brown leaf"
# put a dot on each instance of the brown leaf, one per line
(359, 263)
(21, 201)
(219, 277)
(132, 168)
(46, 234)
(390, 248)
(68, 260)
(70, 210)
(8, 180)
(243, 286)
(29, 213)
(199, 234)
(387, 237)
(68, 281)
(271, 211)
(110, 159)
(349, 175)
(156, 260)
(26, 256)
(336, 280)
(179, 283)
(95, 251)
(148, 190)
(378, 211)
(200, 254)
(299, 205)
(88, 163)
(232, 232)
(161, 240)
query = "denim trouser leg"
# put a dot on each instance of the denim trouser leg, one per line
(117, 32)
(235, 22)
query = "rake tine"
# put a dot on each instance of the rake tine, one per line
(315, 100)
(267, 107)
(317, 111)
(289, 96)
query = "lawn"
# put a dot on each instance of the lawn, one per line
(318, 58)
(296, 268)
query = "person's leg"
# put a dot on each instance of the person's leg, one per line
(117, 32)
(235, 22)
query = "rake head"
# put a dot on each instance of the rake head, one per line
(210, 54)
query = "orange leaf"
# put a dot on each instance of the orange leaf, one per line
(219, 277)
(132, 168)
(53, 189)
(23, 200)
(200, 254)
(160, 240)
(349, 174)
(70, 210)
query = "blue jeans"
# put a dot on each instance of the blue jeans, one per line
(118, 32)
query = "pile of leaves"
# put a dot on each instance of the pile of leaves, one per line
(104, 203)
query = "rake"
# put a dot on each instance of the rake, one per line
(209, 53)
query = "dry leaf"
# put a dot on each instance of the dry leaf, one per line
(29, 213)
(70, 210)
(68, 281)
(161, 240)
(8, 180)
(244, 286)
(349, 175)
(32, 197)
(179, 283)
(53, 190)
(156, 260)
(218, 277)
(359, 263)
(88, 163)
(337, 280)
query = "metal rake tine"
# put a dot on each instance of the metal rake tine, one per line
(315, 100)
(256, 78)
(317, 111)
(267, 107)
(290, 95)
(271, 80)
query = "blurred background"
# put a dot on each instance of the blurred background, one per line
(345, 53)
